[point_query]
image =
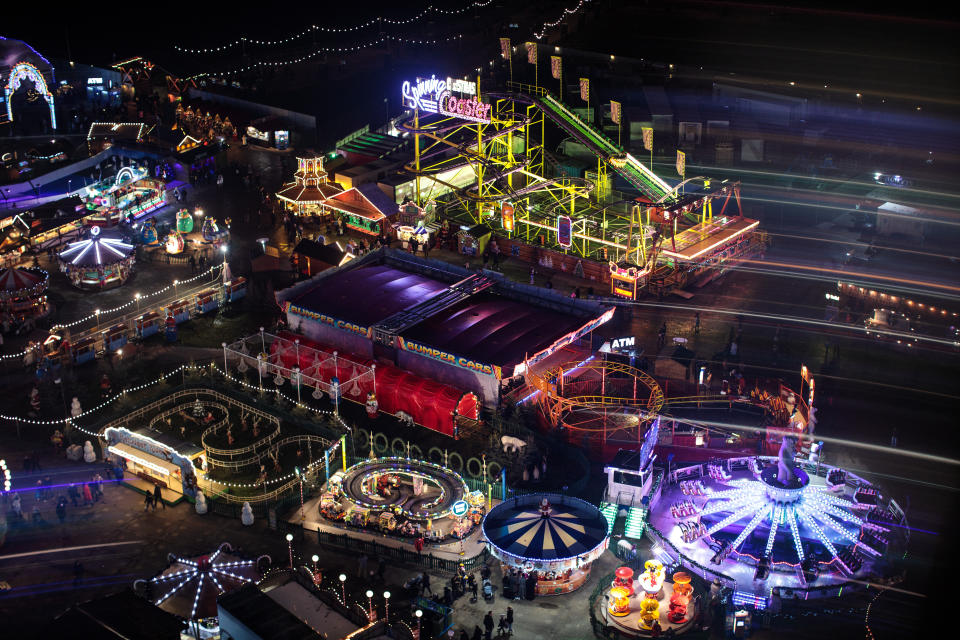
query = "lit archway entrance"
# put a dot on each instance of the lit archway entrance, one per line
(26, 71)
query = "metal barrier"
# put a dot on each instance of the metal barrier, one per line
(372, 548)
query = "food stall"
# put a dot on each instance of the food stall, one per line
(153, 458)
(473, 241)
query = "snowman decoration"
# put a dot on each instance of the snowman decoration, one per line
(246, 515)
(201, 505)
(75, 409)
(89, 455)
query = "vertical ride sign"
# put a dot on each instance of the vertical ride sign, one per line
(564, 231)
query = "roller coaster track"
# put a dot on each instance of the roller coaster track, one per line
(472, 193)
(556, 405)
(634, 171)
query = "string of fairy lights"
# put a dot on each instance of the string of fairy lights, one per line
(186, 367)
(268, 64)
(383, 38)
(563, 16)
(104, 312)
(377, 21)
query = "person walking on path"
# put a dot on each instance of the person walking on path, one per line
(662, 336)
(87, 495)
(425, 584)
(147, 501)
(381, 568)
(158, 498)
(74, 494)
(510, 619)
(17, 507)
(418, 544)
(696, 323)
(62, 509)
(488, 626)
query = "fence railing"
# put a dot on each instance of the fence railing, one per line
(372, 548)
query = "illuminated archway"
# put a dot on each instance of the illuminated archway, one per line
(125, 173)
(26, 71)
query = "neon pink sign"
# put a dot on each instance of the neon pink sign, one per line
(435, 95)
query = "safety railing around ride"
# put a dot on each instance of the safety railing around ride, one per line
(216, 463)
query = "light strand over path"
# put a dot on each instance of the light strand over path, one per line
(380, 20)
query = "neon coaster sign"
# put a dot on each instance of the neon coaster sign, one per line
(435, 95)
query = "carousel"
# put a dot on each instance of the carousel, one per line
(23, 293)
(97, 262)
(189, 587)
(403, 497)
(553, 538)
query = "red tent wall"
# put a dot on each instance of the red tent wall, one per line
(431, 403)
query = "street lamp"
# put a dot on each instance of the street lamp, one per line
(370, 605)
(315, 559)
(290, 548)
(97, 313)
(386, 599)
(419, 615)
(137, 297)
(343, 588)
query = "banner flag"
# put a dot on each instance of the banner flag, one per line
(505, 48)
(585, 89)
(556, 70)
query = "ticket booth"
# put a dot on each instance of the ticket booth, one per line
(148, 324)
(207, 301)
(115, 337)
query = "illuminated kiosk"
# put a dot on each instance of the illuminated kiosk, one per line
(365, 208)
(554, 537)
(760, 523)
(97, 262)
(189, 586)
(403, 497)
(23, 292)
(309, 190)
(152, 458)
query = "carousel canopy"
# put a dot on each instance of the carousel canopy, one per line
(96, 250)
(14, 279)
(189, 587)
(525, 529)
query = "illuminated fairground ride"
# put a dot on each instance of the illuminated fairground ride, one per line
(479, 161)
(760, 522)
(597, 400)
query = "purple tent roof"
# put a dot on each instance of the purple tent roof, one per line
(494, 330)
(368, 294)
